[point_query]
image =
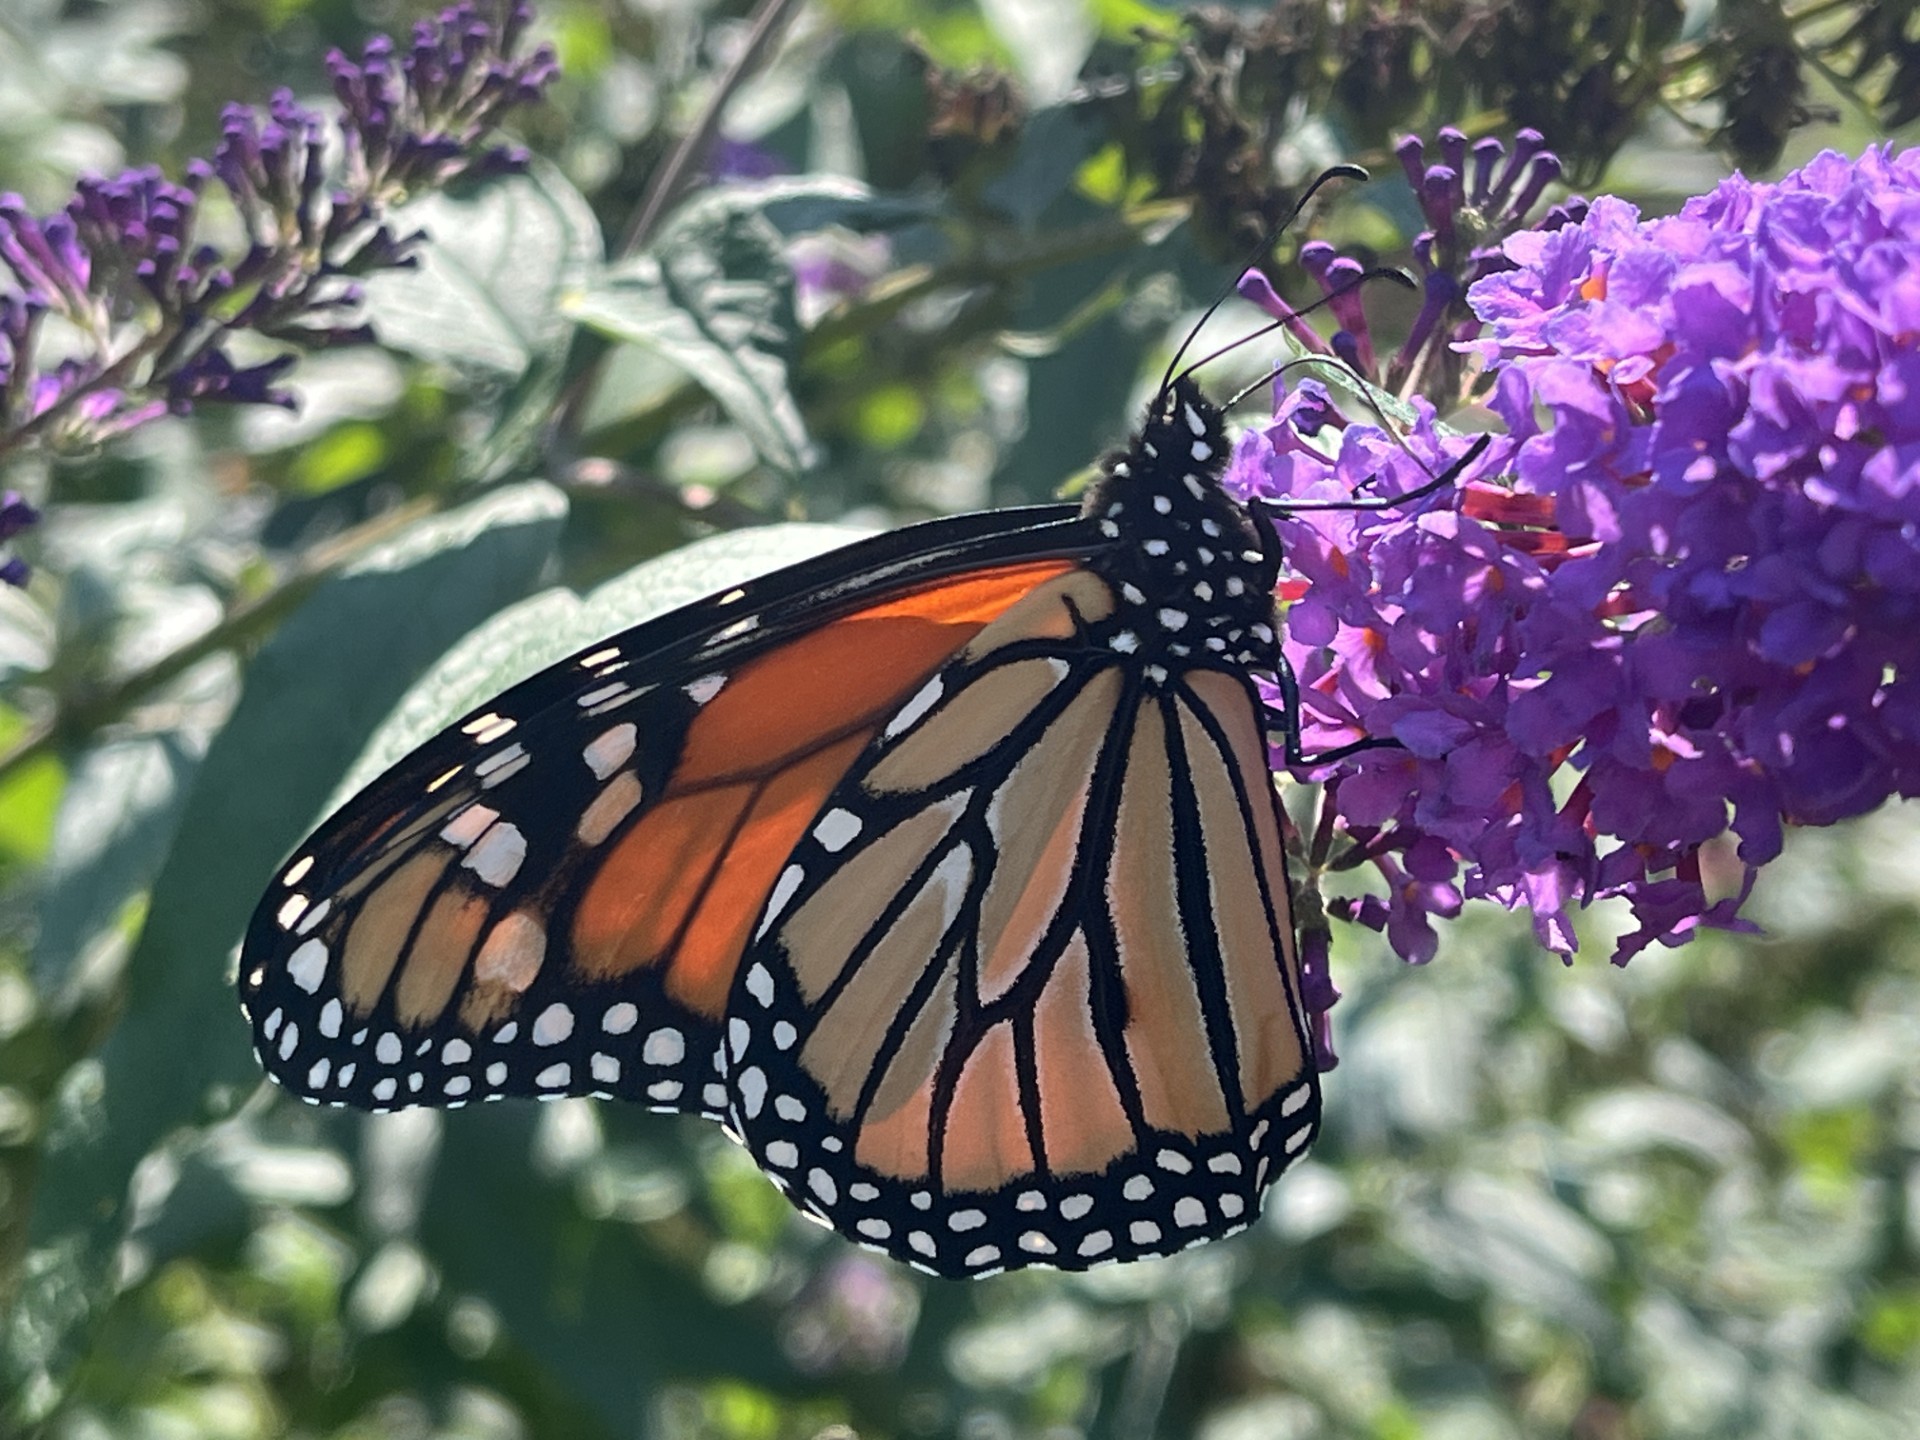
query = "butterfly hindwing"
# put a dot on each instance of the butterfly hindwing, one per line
(1026, 991)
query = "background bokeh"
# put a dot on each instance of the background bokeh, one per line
(1676, 1200)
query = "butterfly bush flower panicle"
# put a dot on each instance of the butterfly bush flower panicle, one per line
(149, 312)
(1472, 198)
(1680, 600)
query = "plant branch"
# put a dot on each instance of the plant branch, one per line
(769, 18)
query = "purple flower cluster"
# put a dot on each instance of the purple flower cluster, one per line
(1471, 203)
(418, 118)
(155, 312)
(1680, 598)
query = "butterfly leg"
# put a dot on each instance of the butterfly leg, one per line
(1283, 725)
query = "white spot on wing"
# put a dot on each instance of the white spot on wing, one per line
(554, 1025)
(924, 699)
(497, 858)
(753, 1091)
(837, 829)
(705, 688)
(485, 729)
(783, 889)
(468, 826)
(307, 966)
(664, 1047)
(499, 760)
(609, 750)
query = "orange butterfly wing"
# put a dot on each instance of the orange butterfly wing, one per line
(1027, 991)
(555, 901)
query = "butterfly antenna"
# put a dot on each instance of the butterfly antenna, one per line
(1267, 379)
(1334, 172)
(1381, 273)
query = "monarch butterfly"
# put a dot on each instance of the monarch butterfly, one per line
(946, 870)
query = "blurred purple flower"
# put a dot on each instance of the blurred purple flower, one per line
(832, 266)
(156, 311)
(742, 160)
(855, 1315)
(16, 517)
(1680, 600)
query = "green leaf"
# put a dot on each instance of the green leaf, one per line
(714, 295)
(486, 294)
(605, 1314)
(117, 818)
(1053, 146)
(312, 695)
(802, 204)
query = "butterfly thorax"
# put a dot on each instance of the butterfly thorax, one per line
(1193, 570)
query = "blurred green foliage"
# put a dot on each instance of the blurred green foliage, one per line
(1675, 1201)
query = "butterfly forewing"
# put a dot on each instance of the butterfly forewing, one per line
(551, 897)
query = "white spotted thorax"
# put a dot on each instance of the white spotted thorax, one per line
(1194, 573)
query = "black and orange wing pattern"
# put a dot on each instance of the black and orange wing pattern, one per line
(945, 870)
(550, 897)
